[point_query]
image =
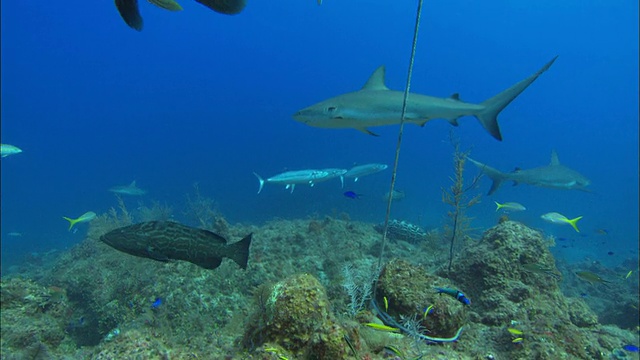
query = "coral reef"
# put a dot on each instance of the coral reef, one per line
(294, 314)
(305, 295)
(409, 290)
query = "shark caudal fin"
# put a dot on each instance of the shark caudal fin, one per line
(488, 117)
(239, 252)
(261, 180)
(497, 176)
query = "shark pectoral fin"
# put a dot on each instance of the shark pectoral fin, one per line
(494, 186)
(421, 122)
(367, 131)
(453, 122)
(129, 12)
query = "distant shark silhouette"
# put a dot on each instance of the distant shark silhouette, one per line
(554, 175)
(130, 189)
(376, 105)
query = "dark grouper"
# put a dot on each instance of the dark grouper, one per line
(166, 240)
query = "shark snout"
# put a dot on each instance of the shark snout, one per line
(304, 115)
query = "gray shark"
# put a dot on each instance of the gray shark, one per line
(376, 105)
(554, 176)
(130, 189)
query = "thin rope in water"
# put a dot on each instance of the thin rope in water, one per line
(398, 145)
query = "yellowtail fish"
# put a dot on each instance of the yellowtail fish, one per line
(557, 218)
(591, 277)
(386, 304)
(510, 206)
(382, 327)
(6, 150)
(515, 331)
(517, 340)
(86, 217)
(629, 274)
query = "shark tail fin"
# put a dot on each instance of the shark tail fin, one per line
(71, 221)
(239, 252)
(574, 223)
(488, 117)
(261, 180)
(496, 175)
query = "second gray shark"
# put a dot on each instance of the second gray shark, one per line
(376, 105)
(554, 175)
(130, 189)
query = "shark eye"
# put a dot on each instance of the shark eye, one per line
(331, 109)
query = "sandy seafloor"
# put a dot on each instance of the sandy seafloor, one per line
(298, 297)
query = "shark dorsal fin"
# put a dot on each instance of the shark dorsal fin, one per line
(554, 158)
(133, 184)
(376, 80)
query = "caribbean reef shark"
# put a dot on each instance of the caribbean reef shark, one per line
(554, 175)
(130, 189)
(376, 105)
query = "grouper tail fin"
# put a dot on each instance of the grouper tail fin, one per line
(496, 175)
(488, 117)
(239, 252)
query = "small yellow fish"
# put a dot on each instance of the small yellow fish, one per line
(591, 277)
(86, 217)
(395, 351)
(382, 327)
(386, 304)
(557, 218)
(629, 274)
(426, 311)
(517, 340)
(515, 331)
(510, 206)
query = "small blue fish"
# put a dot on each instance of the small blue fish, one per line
(584, 295)
(156, 304)
(458, 295)
(352, 195)
(631, 348)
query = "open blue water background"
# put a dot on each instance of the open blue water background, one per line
(207, 98)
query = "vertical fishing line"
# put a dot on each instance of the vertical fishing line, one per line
(398, 145)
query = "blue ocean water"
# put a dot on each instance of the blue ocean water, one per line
(198, 97)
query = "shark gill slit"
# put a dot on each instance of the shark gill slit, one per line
(399, 144)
